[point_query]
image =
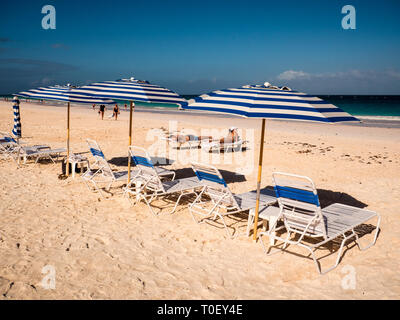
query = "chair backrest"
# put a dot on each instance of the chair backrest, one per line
(6, 137)
(215, 187)
(10, 140)
(299, 203)
(98, 155)
(141, 158)
(8, 143)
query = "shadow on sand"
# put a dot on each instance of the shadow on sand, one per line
(328, 197)
(157, 161)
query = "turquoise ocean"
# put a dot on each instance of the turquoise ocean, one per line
(362, 105)
(358, 105)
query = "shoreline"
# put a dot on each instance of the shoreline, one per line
(389, 122)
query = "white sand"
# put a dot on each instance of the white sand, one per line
(105, 249)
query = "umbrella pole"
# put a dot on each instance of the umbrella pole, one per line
(67, 163)
(259, 179)
(20, 122)
(130, 141)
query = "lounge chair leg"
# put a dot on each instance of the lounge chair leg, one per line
(373, 240)
(267, 252)
(339, 254)
(148, 202)
(176, 203)
(250, 221)
(192, 204)
(286, 241)
(231, 236)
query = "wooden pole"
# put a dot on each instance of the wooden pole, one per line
(259, 179)
(130, 140)
(67, 162)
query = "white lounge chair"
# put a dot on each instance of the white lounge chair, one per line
(8, 146)
(103, 173)
(140, 155)
(303, 217)
(175, 142)
(11, 148)
(147, 184)
(216, 199)
(210, 146)
(39, 152)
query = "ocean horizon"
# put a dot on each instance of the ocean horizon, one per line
(386, 106)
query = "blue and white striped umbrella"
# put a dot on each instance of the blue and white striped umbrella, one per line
(132, 90)
(269, 103)
(16, 131)
(62, 94)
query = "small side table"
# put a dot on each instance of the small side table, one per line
(77, 160)
(268, 214)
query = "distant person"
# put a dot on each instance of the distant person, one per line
(126, 107)
(101, 110)
(116, 111)
(94, 106)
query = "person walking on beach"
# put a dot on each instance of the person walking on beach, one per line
(126, 107)
(116, 111)
(94, 106)
(101, 111)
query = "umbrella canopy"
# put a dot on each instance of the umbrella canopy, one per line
(132, 90)
(268, 102)
(16, 131)
(63, 94)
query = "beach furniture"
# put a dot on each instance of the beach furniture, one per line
(141, 159)
(11, 148)
(9, 138)
(148, 182)
(8, 147)
(175, 142)
(38, 152)
(6, 142)
(102, 174)
(216, 200)
(312, 226)
(77, 161)
(4, 136)
(268, 102)
(210, 146)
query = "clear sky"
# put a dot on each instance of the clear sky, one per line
(194, 47)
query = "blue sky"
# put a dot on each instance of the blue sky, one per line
(194, 47)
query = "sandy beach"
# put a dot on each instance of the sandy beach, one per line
(106, 249)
